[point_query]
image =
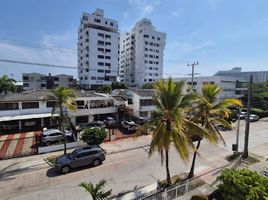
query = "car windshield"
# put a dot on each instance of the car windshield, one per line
(73, 154)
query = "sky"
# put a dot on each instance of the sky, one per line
(219, 34)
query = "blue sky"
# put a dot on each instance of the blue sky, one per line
(220, 34)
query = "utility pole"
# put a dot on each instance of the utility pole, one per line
(245, 154)
(237, 133)
(193, 65)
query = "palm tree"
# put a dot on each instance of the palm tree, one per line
(7, 84)
(96, 191)
(209, 113)
(64, 99)
(169, 124)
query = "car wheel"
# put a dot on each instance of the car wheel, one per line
(65, 169)
(96, 162)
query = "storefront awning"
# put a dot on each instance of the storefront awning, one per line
(22, 117)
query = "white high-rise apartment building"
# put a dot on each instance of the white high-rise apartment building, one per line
(141, 54)
(98, 43)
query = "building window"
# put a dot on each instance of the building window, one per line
(158, 38)
(85, 17)
(111, 23)
(101, 49)
(56, 78)
(107, 43)
(100, 56)
(100, 63)
(100, 70)
(9, 106)
(108, 57)
(50, 104)
(100, 42)
(25, 78)
(43, 85)
(93, 77)
(87, 70)
(29, 105)
(107, 50)
(97, 20)
(101, 35)
(146, 36)
(108, 64)
(107, 36)
(25, 84)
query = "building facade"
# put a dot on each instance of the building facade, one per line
(36, 81)
(141, 54)
(141, 102)
(232, 87)
(98, 44)
(32, 109)
(258, 76)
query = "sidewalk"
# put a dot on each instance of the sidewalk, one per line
(37, 162)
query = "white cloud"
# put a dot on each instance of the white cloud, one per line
(145, 7)
(213, 4)
(188, 47)
(177, 13)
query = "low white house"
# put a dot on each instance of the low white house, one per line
(33, 109)
(141, 102)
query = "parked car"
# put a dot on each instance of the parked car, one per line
(253, 118)
(54, 135)
(243, 115)
(80, 157)
(129, 125)
(139, 120)
(110, 121)
(94, 124)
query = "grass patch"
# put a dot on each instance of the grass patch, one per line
(51, 160)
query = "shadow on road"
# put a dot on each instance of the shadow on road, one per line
(51, 172)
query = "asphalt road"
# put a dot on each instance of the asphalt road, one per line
(123, 171)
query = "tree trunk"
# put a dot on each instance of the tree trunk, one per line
(62, 129)
(191, 173)
(167, 169)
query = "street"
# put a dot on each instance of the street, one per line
(126, 170)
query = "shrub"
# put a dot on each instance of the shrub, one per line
(242, 185)
(199, 197)
(94, 136)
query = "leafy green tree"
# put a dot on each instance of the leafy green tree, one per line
(259, 96)
(96, 191)
(169, 124)
(148, 86)
(242, 184)
(118, 85)
(94, 136)
(209, 113)
(64, 99)
(105, 89)
(7, 84)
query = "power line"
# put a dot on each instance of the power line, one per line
(34, 45)
(46, 65)
(39, 64)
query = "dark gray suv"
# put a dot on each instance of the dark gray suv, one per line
(80, 157)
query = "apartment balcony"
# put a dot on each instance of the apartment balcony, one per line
(94, 111)
(147, 108)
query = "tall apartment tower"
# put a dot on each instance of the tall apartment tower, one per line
(98, 43)
(141, 54)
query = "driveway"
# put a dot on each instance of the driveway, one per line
(15, 145)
